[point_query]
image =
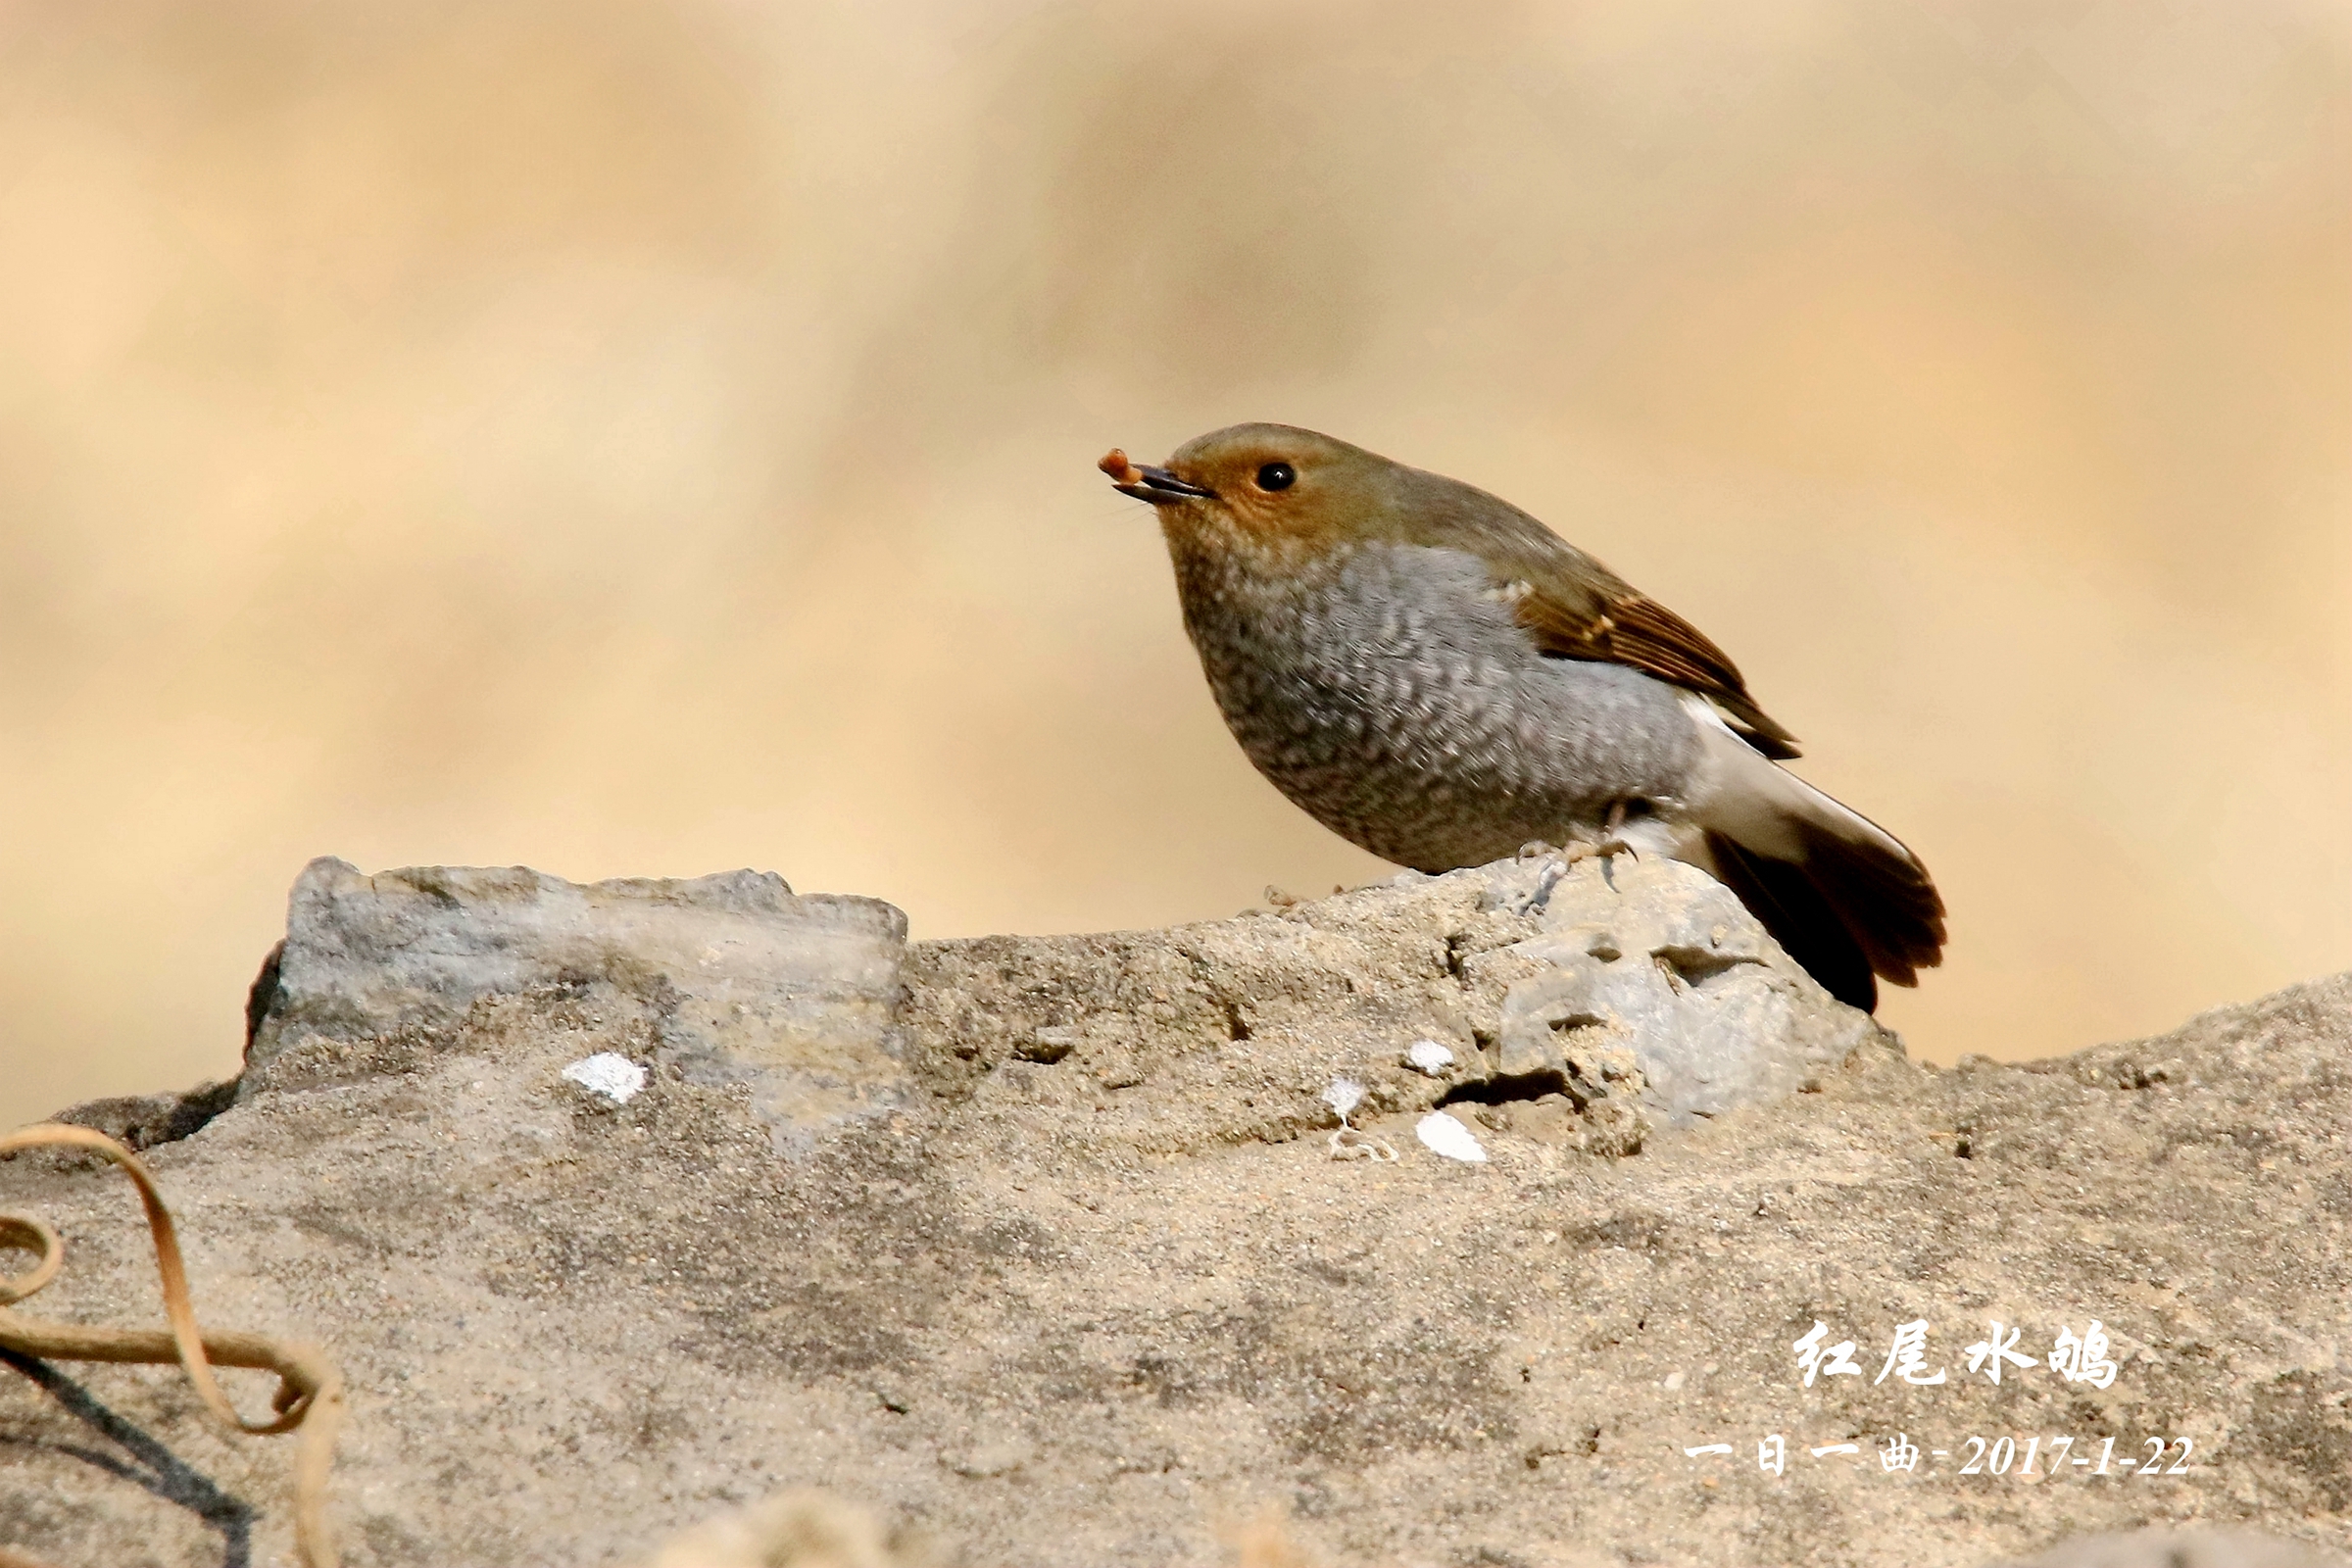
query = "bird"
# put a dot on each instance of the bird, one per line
(1438, 677)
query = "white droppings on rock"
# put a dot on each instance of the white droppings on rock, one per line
(1442, 1136)
(608, 1073)
(1427, 1055)
(1344, 1096)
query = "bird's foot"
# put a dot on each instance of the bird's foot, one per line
(1600, 850)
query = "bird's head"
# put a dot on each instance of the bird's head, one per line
(1262, 487)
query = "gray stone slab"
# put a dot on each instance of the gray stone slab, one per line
(739, 978)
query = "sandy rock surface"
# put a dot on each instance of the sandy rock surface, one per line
(1076, 1278)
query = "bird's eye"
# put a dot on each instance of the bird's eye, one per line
(1277, 476)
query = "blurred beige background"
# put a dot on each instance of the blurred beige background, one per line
(628, 438)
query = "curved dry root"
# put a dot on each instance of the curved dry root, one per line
(310, 1388)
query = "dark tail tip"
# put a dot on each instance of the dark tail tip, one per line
(1848, 913)
(1780, 895)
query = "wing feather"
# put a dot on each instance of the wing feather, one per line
(1573, 605)
(1628, 628)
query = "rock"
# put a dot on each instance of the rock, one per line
(1660, 959)
(142, 1121)
(1592, 999)
(2184, 1548)
(1049, 1320)
(608, 1073)
(1445, 1137)
(808, 1529)
(1428, 1058)
(1049, 1045)
(990, 1458)
(735, 978)
(798, 1529)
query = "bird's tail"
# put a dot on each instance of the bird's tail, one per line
(1838, 892)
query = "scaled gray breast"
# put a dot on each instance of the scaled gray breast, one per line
(1387, 690)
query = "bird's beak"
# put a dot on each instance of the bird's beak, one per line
(1156, 485)
(1163, 489)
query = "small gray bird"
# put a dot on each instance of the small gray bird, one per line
(1435, 675)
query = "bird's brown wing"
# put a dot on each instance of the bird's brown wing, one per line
(1571, 605)
(1617, 625)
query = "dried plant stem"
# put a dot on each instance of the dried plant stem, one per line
(310, 1391)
